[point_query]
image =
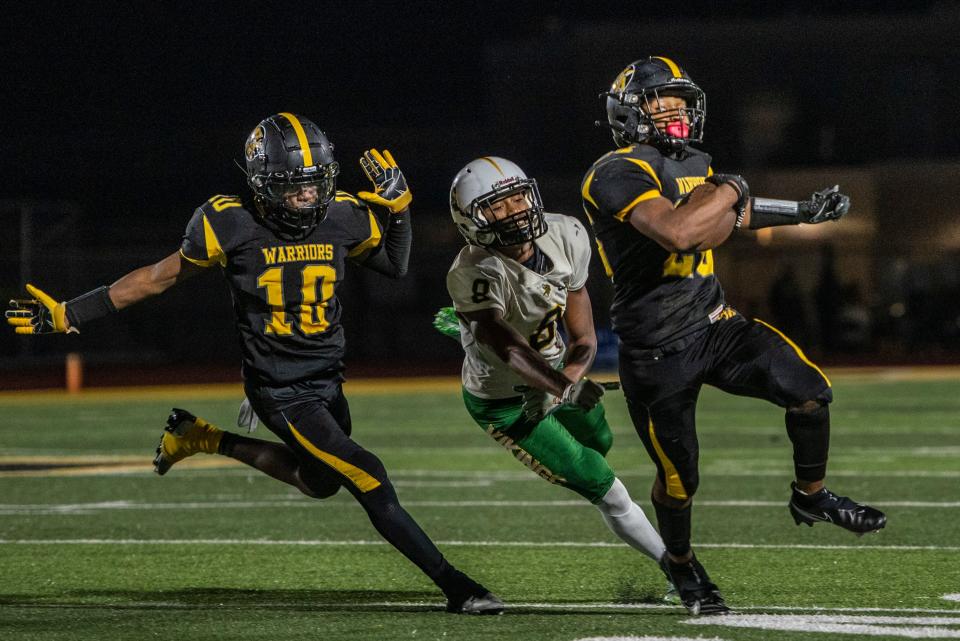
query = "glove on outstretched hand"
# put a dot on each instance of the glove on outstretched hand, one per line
(389, 186)
(39, 315)
(826, 204)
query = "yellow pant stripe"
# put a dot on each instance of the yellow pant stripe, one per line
(803, 357)
(675, 487)
(301, 138)
(363, 481)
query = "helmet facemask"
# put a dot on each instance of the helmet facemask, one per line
(636, 116)
(634, 100)
(292, 172)
(274, 194)
(515, 229)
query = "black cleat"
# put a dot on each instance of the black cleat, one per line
(826, 507)
(697, 593)
(487, 603)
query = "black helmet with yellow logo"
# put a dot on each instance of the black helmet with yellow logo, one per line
(291, 170)
(635, 95)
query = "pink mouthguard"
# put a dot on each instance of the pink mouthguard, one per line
(678, 129)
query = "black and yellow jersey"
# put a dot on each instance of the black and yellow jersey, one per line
(284, 291)
(659, 296)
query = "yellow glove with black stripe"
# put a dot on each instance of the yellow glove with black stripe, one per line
(40, 315)
(389, 186)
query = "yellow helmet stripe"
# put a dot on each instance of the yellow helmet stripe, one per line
(494, 163)
(301, 138)
(673, 66)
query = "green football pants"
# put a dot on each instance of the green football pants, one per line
(566, 448)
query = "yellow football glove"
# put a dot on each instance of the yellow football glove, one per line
(389, 186)
(40, 315)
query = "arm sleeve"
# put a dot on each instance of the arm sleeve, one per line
(475, 287)
(392, 256)
(618, 185)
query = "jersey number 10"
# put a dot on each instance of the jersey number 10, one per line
(312, 320)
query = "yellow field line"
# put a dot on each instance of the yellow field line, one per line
(99, 465)
(377, 386)
(358, 387)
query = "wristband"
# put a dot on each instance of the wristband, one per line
(90, 306)
(770, 212)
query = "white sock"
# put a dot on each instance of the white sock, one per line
(627, 521)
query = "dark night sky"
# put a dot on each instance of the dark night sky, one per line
(135, 112)
(114, 104)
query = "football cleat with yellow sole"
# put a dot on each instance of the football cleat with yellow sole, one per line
(184, 435)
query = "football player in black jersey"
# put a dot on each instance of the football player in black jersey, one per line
(282, 253)
(658, 209)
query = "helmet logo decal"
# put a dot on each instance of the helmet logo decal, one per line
(623, 80)
(254, 146)
(506, 181)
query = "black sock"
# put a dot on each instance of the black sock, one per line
(810, 434)
(674, 528)
(399, 529)
(227, 441)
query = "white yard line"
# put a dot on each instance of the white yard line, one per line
(460, 543)
(39, 509)
(512, 606)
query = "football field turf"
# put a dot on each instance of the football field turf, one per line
(93, 545)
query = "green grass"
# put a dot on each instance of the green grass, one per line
(133, 556)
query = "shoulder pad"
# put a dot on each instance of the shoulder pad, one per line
(221, 202)
(343, 196)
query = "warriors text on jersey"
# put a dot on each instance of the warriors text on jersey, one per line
(284, 291)
(659, 296)
(531, 303)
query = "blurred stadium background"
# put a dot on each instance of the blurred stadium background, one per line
(121, 119)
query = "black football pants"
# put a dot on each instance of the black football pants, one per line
(740, 356)
(313, 419)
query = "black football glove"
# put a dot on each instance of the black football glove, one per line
(389, 186)
(826, 204)
(740, 186)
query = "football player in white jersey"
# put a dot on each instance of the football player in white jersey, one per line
(522, 272)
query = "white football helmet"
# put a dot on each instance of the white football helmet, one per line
(481, 183)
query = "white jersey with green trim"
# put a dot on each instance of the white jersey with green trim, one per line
(531, 303)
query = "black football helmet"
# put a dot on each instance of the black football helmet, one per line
(639, 87)
(287, 155)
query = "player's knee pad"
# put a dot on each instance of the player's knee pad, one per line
(808, 427)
